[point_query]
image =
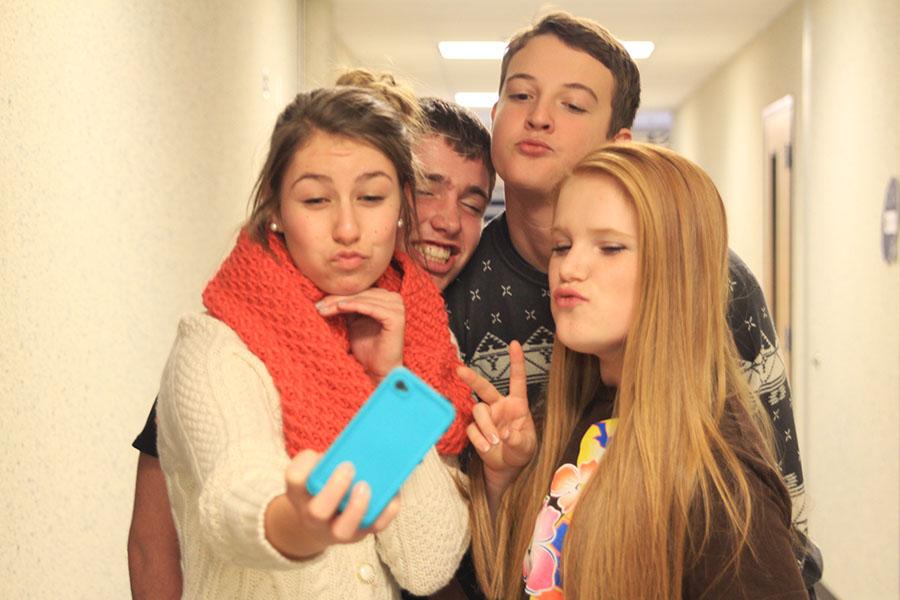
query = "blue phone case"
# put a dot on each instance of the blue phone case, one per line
(402, 419)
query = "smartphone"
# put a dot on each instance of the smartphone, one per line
(402, 419)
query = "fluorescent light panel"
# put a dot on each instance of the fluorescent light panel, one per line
(472, 50)
(476, 99)
(638, 50)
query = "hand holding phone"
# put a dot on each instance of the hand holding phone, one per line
(388, 437)
(300, 525)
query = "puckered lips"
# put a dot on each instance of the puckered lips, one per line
(347, 260)
(567, 297)
(437, 257)
(533, 147)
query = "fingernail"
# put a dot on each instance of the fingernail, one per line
(486, 449)
(320, 306)
(494, 439)
(362, 489)
(505, 433)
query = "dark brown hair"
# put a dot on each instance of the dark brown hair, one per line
(588, 36)
(369, 108)
(462, 129)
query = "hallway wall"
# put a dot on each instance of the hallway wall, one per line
(131, 136)
(725, 114)
(852, 297)
(323, 56)
(839, 59)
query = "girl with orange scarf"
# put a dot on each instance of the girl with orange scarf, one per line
(313, 307)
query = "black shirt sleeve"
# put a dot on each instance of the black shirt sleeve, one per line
(146, 439)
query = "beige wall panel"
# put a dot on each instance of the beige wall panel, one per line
(853, 464)
(720, 126)
(131, 134)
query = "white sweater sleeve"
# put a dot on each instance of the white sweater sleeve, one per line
(221, 443)
(425, 542)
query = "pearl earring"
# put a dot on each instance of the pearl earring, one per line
(399, 222)
(273, 226)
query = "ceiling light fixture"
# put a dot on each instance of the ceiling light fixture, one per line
(472, 50)
(639, 50)
(476, 99)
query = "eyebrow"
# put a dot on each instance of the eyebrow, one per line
(327, 178)
(478, 191)
(572, 86)
(598, 231)
(472, 189)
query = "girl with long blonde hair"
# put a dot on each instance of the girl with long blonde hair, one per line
(652, 475)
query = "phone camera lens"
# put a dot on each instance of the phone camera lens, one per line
(401, 386)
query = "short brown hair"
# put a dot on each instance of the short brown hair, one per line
(588, 36)
(372, 109)
(462, 129)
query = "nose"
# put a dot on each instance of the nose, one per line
(573, 265)
(446, 218)
(346, 226)
(539, 117)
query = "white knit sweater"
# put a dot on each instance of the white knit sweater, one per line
(222, 449)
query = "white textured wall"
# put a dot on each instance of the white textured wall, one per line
(720, 126)
(852, 310)
(841, 60)
(323, 55)
(130, 135)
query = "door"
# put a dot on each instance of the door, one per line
(778, 146)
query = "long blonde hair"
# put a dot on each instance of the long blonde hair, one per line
(669, 466)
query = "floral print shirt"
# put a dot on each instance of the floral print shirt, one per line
(542, 568)
(771, 572)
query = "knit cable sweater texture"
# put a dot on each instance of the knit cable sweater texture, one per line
(222, 447)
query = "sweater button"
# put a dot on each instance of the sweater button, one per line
(366, 573)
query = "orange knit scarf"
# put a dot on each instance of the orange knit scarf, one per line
(269, 303)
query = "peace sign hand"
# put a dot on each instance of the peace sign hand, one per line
(502, 431)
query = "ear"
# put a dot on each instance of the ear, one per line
(275, 217)
(623, 135)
